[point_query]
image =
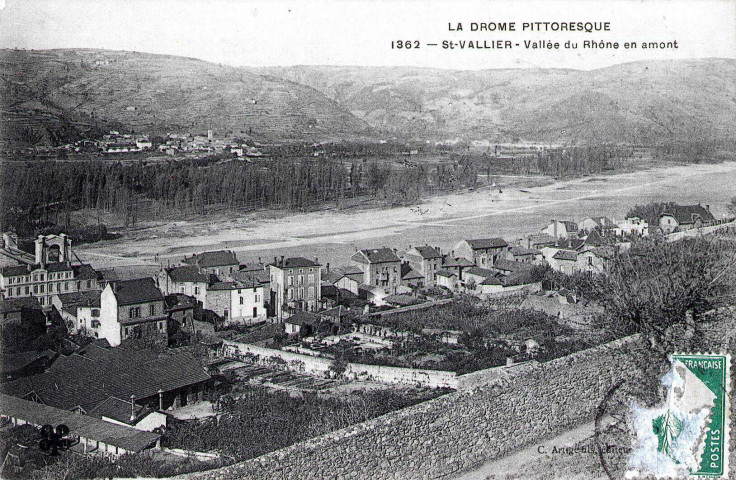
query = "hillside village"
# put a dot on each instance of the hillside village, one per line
(121, 359)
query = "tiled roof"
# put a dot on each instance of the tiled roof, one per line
(375, 255)
(17, 361)
(565, 255)
(491, 281)
(428, 252)
(16, 270)
(457, 262)
(218, 258)
(480, 272)
(304, 318)
(84, 272)
(520, 251)
(482, 243)
(89, 379)
(59, 267)
(253, 267)
(252, 277)
(570, 226)
(82, 425)
(89, 298)
(408, 273)
(8, 305)
(189, 273)
(117, 409)
(687, 214)
(444, 273)
(296, 262)
(141, 290)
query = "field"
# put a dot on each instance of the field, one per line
(332, 236)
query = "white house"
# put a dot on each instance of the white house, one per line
(132, 309)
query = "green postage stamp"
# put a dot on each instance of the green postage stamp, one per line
(688, 436)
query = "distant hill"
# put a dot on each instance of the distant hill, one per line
(53, 96)
(641, 102)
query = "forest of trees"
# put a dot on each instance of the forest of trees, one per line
(42, 194)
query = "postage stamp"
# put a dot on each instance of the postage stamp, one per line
(688, 436)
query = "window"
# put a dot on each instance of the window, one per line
(134, 312)
(127, 331)
(239, 292)
(301, 279)
(257, 299)
(291, 280)
(310, 278)
(81, 321)
(41, 276)
(590, 261)
(181, 289)
(66, 286)
(255, 312)
(310, 292)
(241, 302)
(225, 314)
(51, 287)
(89, 283)
(196, 290)
(152, 309)
(95, 312)
(290, 293)
(43, 287)
(28, 290)
(42, 301)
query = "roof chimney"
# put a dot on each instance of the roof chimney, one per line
(132, 408)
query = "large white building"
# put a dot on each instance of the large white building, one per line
(48, 272)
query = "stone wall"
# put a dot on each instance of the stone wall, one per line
(301, 363)
(456, 432)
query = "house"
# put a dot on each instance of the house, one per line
(90, 434)
(80, 311)
(221, 263)
(632, 226)
(296, 284)
(344, 278)
(381, 268)
(561, 260)
(302, 322)
(457, 265)
(188, 280)
(132, 309)
(128, 413)
(603, 225)
(523, 254)
(482, 252)
(424, 259)
(410, 277)
(482, 281)
(82, 381)
(447, 279)
(684, 217)
(51, 271)
(561, 229)
(237, 302)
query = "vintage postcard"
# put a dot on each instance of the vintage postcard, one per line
(370, 239)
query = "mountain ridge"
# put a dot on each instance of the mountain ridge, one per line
(51, 96)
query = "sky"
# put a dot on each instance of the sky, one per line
(332, 32)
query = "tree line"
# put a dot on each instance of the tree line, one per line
(38, 194)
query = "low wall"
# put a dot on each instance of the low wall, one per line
(297, 362)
